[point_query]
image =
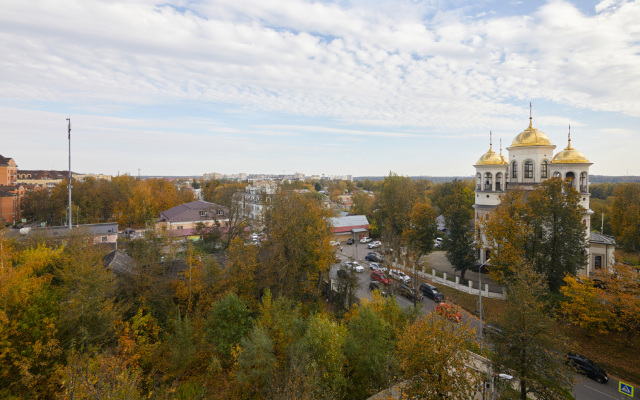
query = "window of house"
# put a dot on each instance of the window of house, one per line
(105, 239)
(598, 262)
(203, 213)
(514, 169)
(543, 169)
(528, 169)
(557, 174)
(220, 212)
(179, 227)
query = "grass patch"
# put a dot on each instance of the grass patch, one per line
(611, 351)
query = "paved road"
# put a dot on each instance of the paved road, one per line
(584, 389)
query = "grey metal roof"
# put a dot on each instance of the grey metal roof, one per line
(191, 211)
(350, 220)
(595, 237)
(118, 262)
(109, 228)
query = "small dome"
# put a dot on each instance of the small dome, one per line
(531, 137)
(491, 158)
(569, 156)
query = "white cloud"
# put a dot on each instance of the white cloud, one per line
(385, 66)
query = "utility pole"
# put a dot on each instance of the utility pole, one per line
(69, 130)
(480, 301)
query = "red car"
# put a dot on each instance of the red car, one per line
(447, 311)
(380, 277)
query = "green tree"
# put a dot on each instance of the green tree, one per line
(298, 254)
(421, 231)
(281, 318)
(395, 203)
(320, 357)
(544, 229)
(227, 323)
(368, 349)
(529, 347)
(559, 243)
(456, 204)
(362, 203)
(601, 218)
(240, 271)
(256, 363)
(90, 314)
(507, 232)
(625, 218)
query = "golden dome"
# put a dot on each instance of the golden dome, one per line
(569, 156)
(531, 137)
(491, 158)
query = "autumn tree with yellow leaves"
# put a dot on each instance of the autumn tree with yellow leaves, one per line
(434, 361)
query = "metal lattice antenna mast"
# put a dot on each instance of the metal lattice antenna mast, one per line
(69, 131)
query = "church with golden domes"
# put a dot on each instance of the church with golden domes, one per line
(529, 162)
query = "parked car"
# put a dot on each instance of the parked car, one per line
(355, 266)
(491, 330)
(432, 292)
(375, 257)
(380, 277)
(399, 276)
(447, 311)
(350, 241)
(365, 240)
(377, 267)
(587, 367)
(483, 269)
(410, 293)
(374, 245)
(334, 243)
(375, 285)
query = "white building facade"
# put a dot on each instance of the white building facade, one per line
(531, 161)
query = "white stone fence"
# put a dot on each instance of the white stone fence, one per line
(463, 288)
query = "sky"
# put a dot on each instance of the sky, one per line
(360, 87)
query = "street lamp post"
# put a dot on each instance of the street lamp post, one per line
(480, 301)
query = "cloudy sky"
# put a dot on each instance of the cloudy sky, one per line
(361, 87)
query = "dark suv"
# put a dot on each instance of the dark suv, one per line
(587, 367)
(432, 292)
(375, 285)
(410, 293)
(375, 257)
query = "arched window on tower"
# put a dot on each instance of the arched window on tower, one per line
(514, 169)
(557, 174)
(583, 182)
(528, 169)
(499, 181)
(571, 178)
(479, 181)
(543, 169)
(488, 180)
